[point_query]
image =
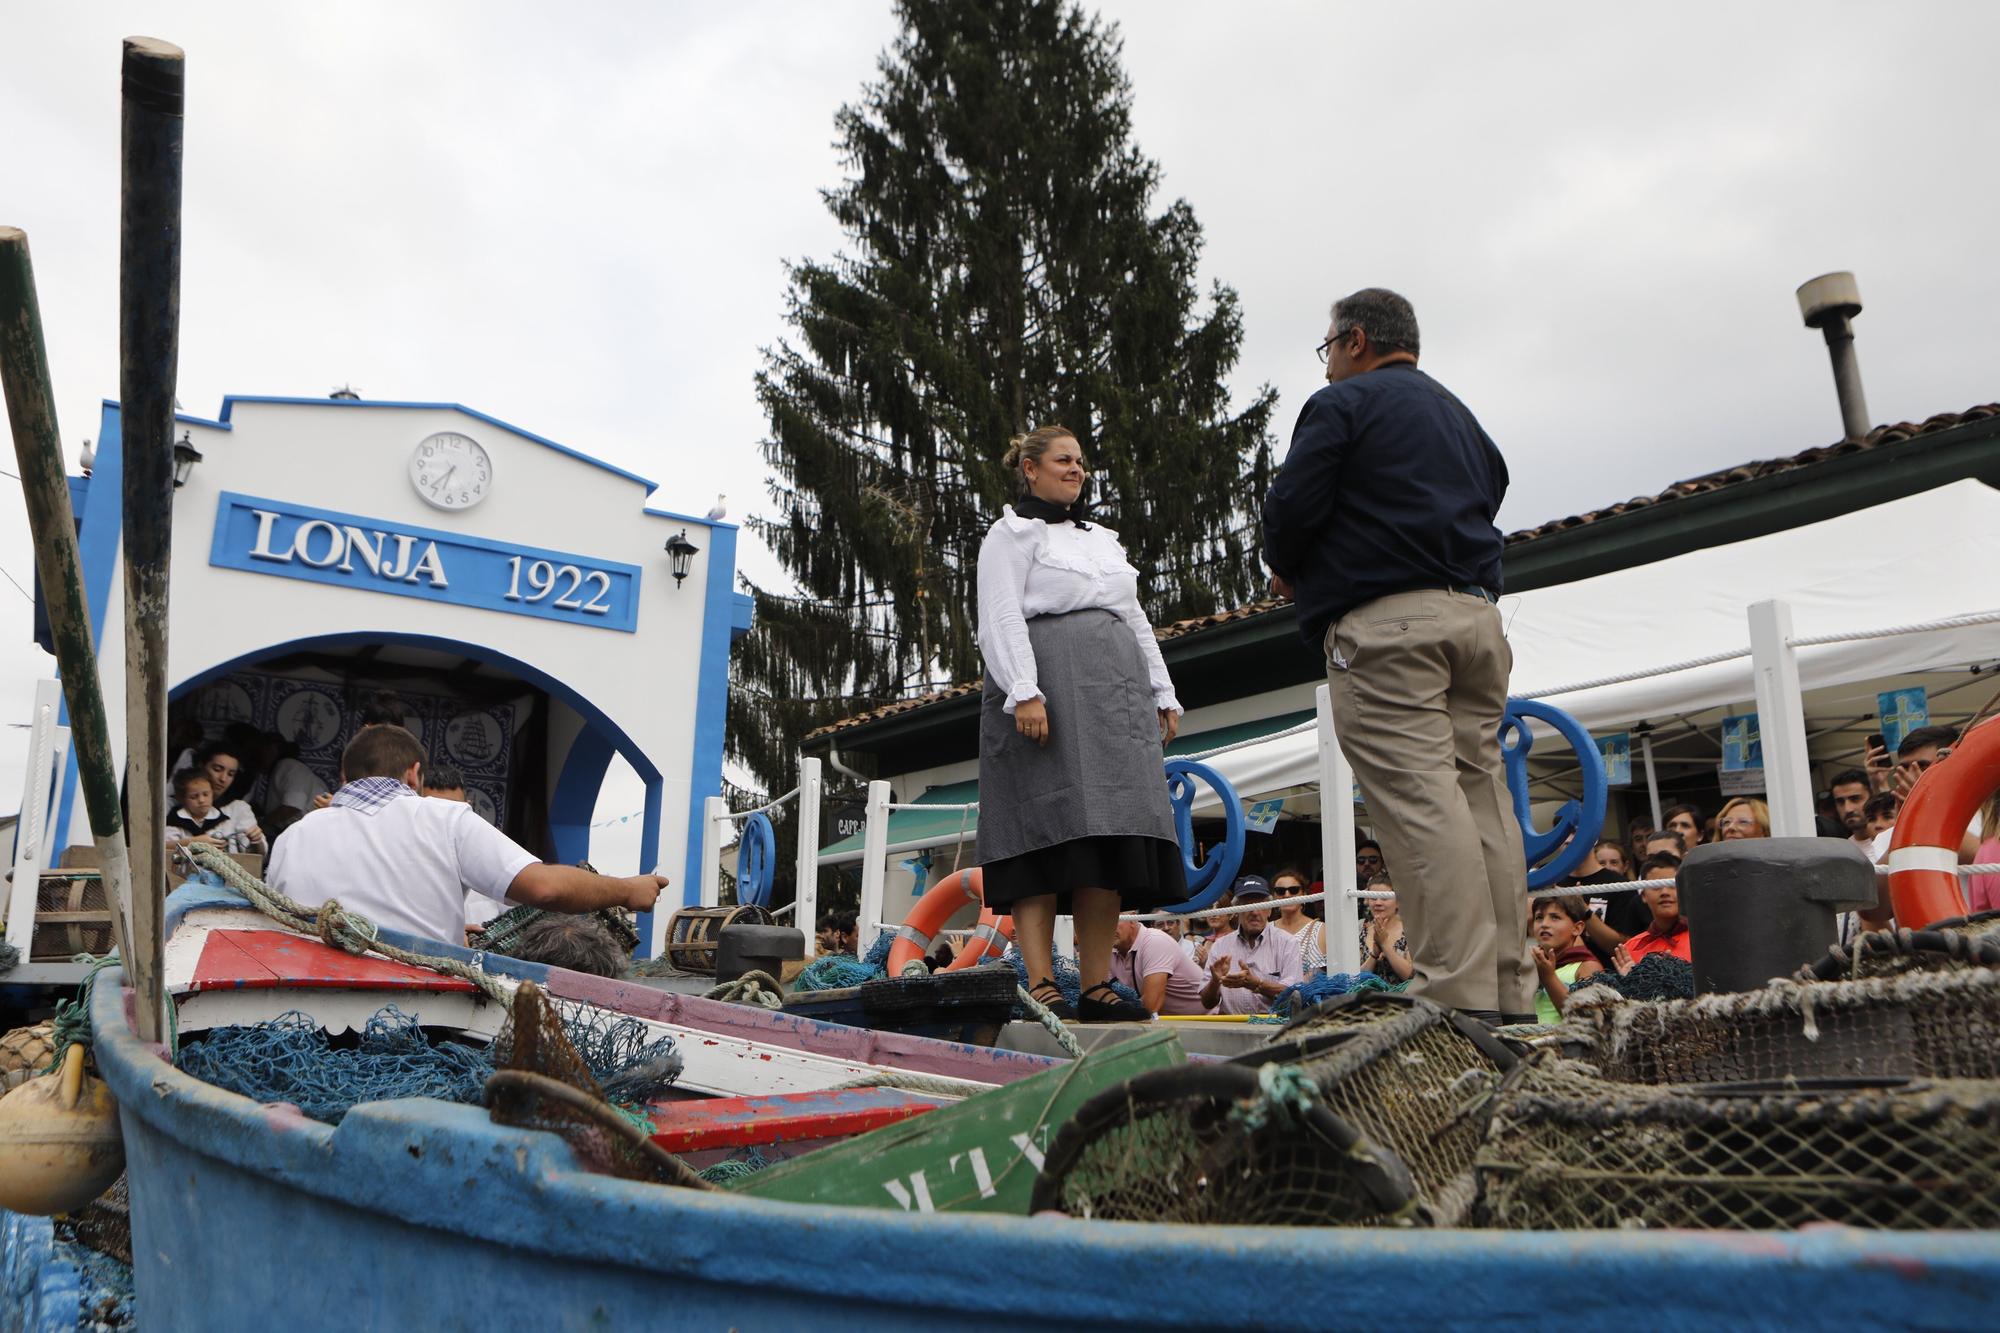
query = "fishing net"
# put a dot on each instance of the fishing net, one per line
(1366, 1109)
(503, 933)
(548, 1085)
(1295, 1000)
(1657, 976)
(1569, 1149)
(834, 971)
(631, 1065)
(291, 1059)
(1926, 1024)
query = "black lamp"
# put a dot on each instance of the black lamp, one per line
(683, 553)
(185, 457)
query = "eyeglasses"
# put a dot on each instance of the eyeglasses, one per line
(1327, 346)
(1738, 823)
(1368, 859)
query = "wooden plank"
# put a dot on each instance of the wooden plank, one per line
(742, 1122)
(981, 1155)
(265, 959)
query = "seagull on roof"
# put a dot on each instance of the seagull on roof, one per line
(719, 511)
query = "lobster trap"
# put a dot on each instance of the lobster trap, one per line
(72, 916)
(1568, 1149)
(695, 933)
(1366, 1110)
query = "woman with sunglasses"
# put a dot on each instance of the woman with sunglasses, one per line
(1288, 886)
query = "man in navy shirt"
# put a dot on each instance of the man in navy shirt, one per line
(1380, 527)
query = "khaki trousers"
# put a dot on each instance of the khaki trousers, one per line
(1419, 683)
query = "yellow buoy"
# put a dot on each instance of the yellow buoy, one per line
(59, 1142)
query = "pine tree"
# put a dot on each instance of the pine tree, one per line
(1005, 272)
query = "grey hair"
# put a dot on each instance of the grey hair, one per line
(1390, 320)
(575, 942)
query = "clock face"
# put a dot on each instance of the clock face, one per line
(451, 471)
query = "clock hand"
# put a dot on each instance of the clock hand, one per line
(446, 483)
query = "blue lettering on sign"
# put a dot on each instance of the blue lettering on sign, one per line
(319, 546)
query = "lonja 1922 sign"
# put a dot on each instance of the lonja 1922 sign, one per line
(298, 542)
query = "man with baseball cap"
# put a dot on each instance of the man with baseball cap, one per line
(1251, 965)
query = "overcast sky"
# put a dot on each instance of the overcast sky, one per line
(577, 220)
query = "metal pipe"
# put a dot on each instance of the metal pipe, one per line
(149, 302)
(1854, 416)
(31, 409)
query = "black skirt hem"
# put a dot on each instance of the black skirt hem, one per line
(1145, 872)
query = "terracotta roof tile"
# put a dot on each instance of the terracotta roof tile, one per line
(1713, 481)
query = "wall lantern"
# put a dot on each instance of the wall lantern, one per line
(185, 457)
(683, 552)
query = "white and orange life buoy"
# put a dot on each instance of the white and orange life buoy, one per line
(991, 936)
(1923, 851)
(920, 928)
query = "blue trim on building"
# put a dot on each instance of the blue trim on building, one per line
(478, 567)
(711, 708)
(573, 800)
(97, 546)
(230, 401)
(743, 615)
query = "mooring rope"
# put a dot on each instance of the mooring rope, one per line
(755, 988)
(335, 925)
(930, 1085)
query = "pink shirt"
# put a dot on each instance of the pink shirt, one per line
(1154, 952)
(1275, 956)
(1983, 891)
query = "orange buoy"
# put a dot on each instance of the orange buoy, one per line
(991, 936)
(927, 918)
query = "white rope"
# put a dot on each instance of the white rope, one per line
(969, 805)
(1667, 670)
(1299, 730)
(1891, 631)
(731, 816)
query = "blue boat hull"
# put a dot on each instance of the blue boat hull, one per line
(417, 1214)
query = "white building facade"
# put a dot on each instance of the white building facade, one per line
(517, 595)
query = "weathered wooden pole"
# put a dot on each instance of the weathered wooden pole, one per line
(149, 307)
(31, 408)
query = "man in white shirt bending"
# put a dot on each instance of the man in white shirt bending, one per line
(407, 861)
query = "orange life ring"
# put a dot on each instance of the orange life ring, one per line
(992, 935)
(919, 929)
(1923, 852)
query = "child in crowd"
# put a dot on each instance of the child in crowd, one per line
(1561, 957)
(1668, 933)
(1880, 812)
(195, 818)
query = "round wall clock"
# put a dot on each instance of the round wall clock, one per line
(451, 471)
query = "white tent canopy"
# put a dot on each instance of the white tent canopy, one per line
(1904, 562)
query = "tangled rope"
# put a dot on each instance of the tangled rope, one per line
(1284, 1090)
(334, 925)
(753, 988)
(930, 1085)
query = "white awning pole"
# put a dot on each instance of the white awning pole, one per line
(1652, 778)
(806, 915)
(1336, 842)
(874, 864)
(1781, 721)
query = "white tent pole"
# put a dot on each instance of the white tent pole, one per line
(874, 864)
(806, 896)
(713, 810)
(1336, 842)
(1652, 778)
(1781, 720)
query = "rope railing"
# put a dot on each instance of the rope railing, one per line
(929, 805)
(1892, 631)
(1299, 730)
(1623, 677)
(731, 816)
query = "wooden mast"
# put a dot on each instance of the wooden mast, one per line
(31, 407)
(149, 299)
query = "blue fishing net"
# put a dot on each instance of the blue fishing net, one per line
(1067, 980)
(835, 971)
(1657, 976)
(877, 956)
(290, 1059)
(1297, 999)
(108, 1298)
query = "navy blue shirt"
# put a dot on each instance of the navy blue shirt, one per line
(1391, 485)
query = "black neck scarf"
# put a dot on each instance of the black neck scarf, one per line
(1034, 506)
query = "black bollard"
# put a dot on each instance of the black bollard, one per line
(1759, 908)
(743, 949)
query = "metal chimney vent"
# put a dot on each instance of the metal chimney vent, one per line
(1828, 303)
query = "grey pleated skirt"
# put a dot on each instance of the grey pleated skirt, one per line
(1088, 809)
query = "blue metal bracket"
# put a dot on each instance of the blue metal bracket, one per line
(1578, 822)
(756, 861)
(1207, 880)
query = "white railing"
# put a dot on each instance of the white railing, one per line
(716, 815)
(48, 756)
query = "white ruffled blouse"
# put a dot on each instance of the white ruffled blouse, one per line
(1030, 568)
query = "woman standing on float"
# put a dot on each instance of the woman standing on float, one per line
(1073, 811)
